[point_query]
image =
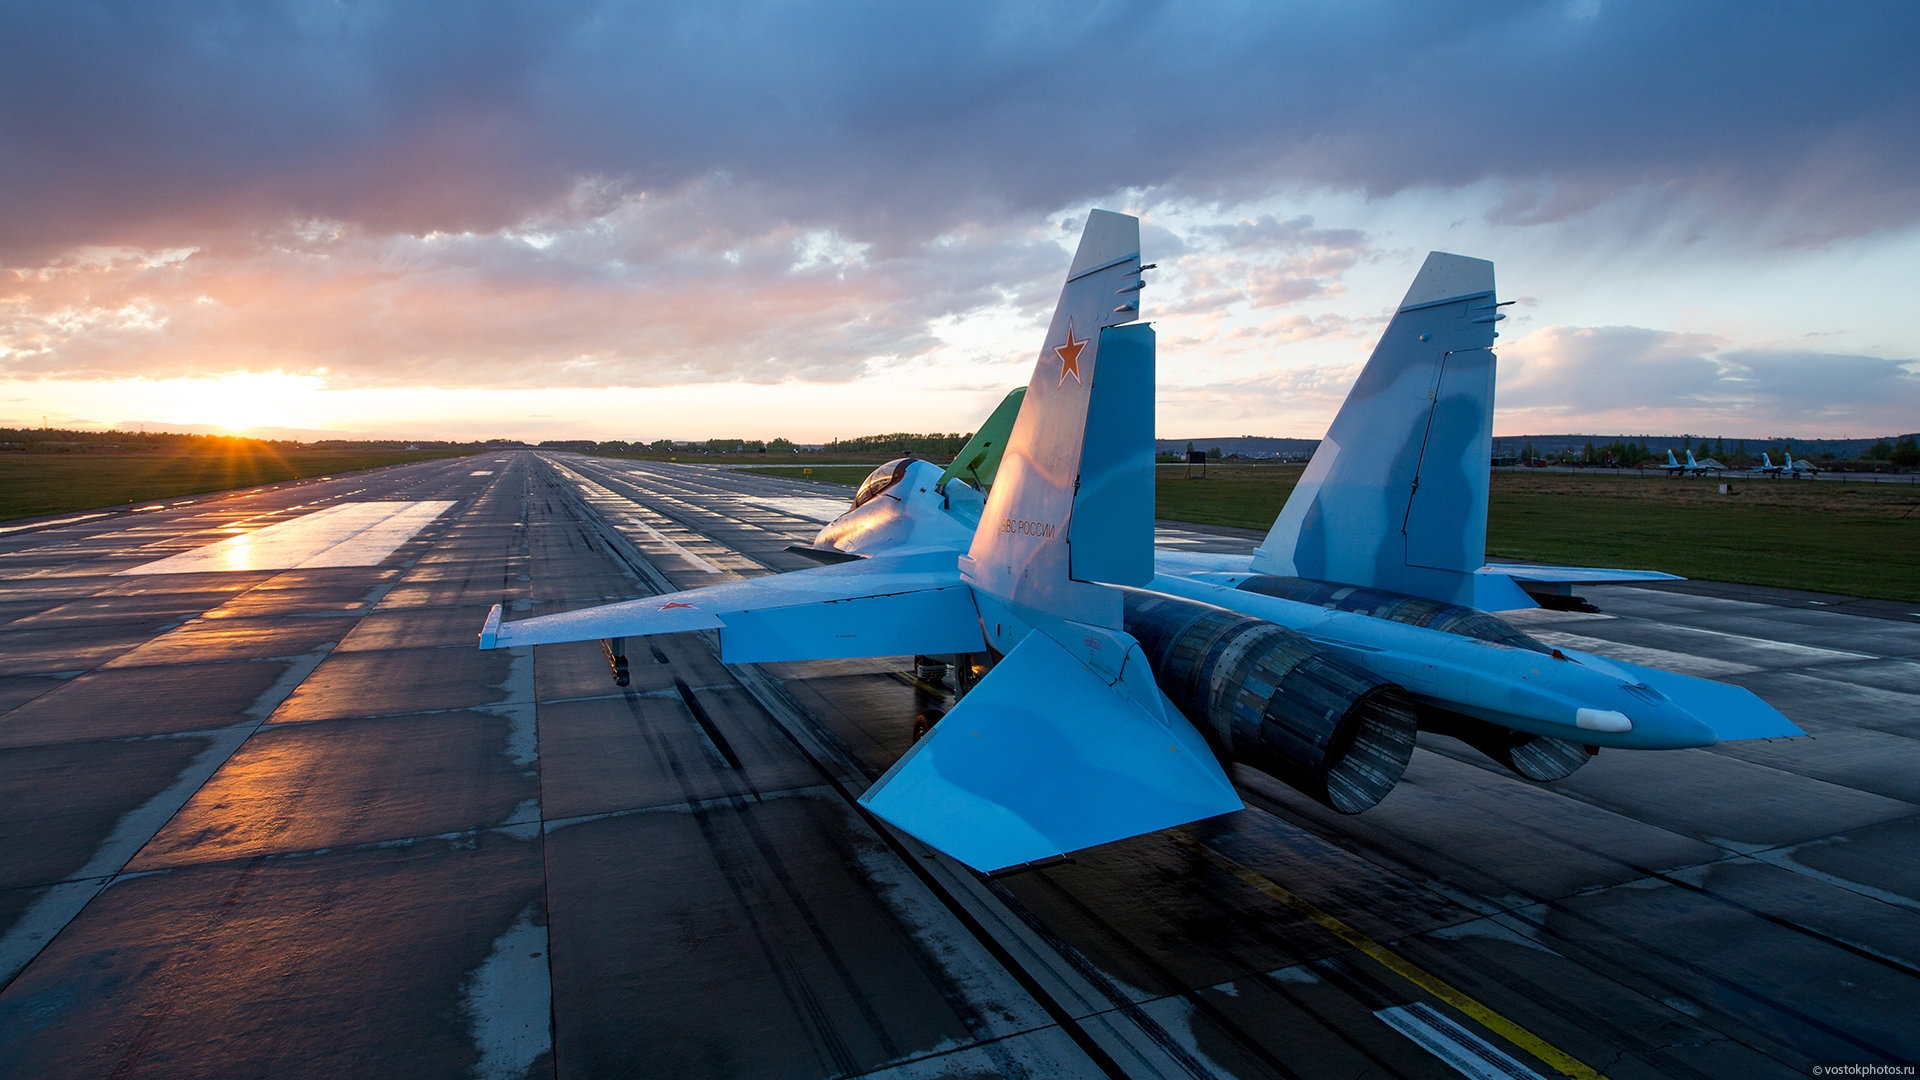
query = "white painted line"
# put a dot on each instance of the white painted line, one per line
(50, 524)
(821, 510)
(481, 472)
(348, 534)
(660, 538)
(1469, 1054)
(59, 905)
(1664, 659)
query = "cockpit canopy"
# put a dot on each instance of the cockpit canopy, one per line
(879, 480)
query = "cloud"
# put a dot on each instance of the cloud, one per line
(650, 292)
(592, 193)
(1631, 379)
(1297, 401)
(142, 124)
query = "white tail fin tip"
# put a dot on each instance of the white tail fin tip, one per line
(1448, 277)
(1109, 237)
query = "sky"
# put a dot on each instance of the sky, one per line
(637, 221)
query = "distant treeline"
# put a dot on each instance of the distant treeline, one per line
(672, 446)
(939, 446)
(1558, 447)
(67, 441)
(900, 444)
(1903, 452)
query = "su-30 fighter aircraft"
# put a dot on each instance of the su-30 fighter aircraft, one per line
(1117, 683)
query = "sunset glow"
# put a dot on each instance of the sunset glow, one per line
(579, 247)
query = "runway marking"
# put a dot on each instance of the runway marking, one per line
(1469, 1054)
(347, 534)
(1562, 1062)
(821, 510)
(1664, 659)
(660, 538)
(49, 524)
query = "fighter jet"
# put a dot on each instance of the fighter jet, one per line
(1690, 467)
(1789, 466)
(1116, 683)
(1766, 466)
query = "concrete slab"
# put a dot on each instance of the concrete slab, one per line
(1859, 758)
(201, 641)
(1789, 994)
(770, 938)
(43, 652)
(1784, 890)
(1725, 801)
(637, 751)
(381, 962)
(120, 703)
(413, 628)
(579, 670)
(111, 609)
(1508, 841)
(17, 690)
(483, 592)
(396, 681)
(57, 803)
(339, 783)
(1824, 703)
(1878, 857)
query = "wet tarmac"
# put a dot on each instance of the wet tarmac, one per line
(288, 821)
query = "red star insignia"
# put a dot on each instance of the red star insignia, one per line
(1070, 355)
(674, 604)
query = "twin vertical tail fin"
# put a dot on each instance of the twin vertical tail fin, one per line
(1396, 495)
(1072, 502)
(1068, 742)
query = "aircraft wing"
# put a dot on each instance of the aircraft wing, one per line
(1046, 756)
(1730, 712)
(899, 606)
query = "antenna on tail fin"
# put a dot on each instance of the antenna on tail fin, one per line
(1396, 495)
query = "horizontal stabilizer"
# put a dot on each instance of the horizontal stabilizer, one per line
(1575, 575)
(824, 555)
(1731, 712)
(1044, 757)
(876, 607)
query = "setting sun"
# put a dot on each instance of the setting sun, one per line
(237, 402)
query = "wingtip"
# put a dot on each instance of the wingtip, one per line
(490, 632)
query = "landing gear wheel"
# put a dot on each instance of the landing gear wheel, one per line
(924, 723)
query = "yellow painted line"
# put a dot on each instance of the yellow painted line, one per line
(1566, 1064)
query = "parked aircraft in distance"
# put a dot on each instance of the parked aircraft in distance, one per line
(1789, 466)
(1116, 680)
(1691, 467)
(1766, 466)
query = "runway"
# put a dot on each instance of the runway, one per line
(281, 818)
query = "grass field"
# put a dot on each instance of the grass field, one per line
(35, 485)
(1856, 539)
(850, 475)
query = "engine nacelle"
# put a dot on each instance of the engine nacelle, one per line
(1535, 757)
(1395, 607)
(1267, 697)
